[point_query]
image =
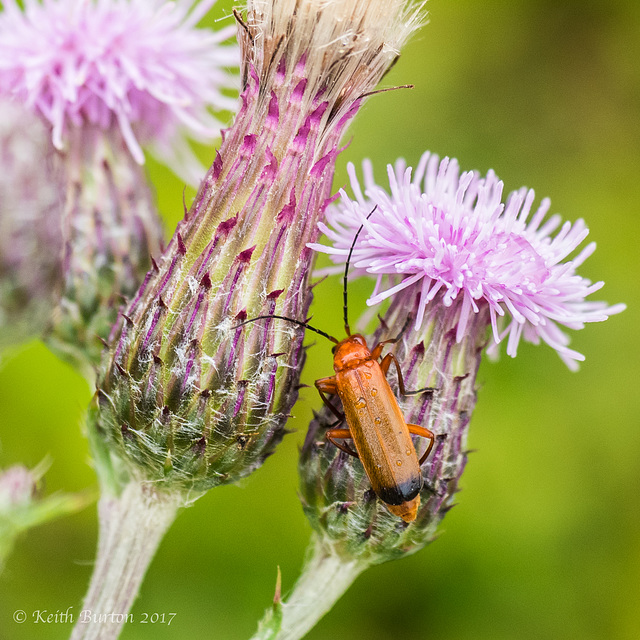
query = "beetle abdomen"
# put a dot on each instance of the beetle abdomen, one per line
(402, 492)
(379, 433)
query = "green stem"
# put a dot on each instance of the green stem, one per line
(324, 578)
(131, 528)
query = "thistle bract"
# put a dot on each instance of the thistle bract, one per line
(188, 397)
(111, 229)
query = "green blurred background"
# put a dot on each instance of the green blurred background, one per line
(545, 540)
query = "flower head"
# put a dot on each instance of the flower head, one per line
(107, 76)
(139, 65)
(449, 237)
(189, 398)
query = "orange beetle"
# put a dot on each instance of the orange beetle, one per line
(375, 422)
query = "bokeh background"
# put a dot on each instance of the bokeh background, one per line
(545, 540)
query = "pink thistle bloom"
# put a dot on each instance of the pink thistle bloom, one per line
(141, 66)
(449, 237)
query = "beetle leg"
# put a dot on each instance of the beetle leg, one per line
(328, 386)
(377, 351)
(386, 363)
(340, 433)
(417, 430)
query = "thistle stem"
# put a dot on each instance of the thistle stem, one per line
(131, 527)
(324, 578)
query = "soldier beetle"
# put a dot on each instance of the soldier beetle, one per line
(374, 420)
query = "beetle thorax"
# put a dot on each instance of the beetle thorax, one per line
(350, 352)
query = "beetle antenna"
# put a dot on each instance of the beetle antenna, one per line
(405, 326)
(298, 322)
(407, 322)
(346, 273)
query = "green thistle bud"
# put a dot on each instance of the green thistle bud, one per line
(30, 235)
(336, 494)
(189, 399)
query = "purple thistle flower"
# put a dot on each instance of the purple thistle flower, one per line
(453, 260)
(140, 66)
(449, 237)
(107, 76)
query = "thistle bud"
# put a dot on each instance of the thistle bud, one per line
(23, 506)
(335, 491)
(189, 398)
(30, 225)
(18, 486)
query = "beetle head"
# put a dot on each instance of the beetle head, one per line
(351, 351)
